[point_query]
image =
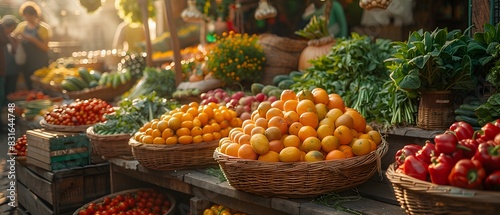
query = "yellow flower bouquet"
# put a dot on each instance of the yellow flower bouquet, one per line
(236, 58)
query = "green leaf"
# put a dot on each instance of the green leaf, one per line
(420, 61)
(428, 41)
(411, 81)
(492, 48)
(440, 37)
(479, 37)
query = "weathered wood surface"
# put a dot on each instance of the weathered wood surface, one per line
(480, 14)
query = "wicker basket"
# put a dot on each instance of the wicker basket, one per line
(435, 110)
(299, 179)
(64, 128)
(101, 92)
(174, 157)
(115, 145)
(421, 197)
(131, 191)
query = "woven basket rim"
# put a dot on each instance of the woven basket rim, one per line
(169, 196)
(111, 137)
(62, 128)
(443, 191)
(157, 147)
(326, 164)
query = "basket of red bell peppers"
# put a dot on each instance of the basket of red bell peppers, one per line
(456, 173)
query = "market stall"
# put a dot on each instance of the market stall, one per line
(263, 124)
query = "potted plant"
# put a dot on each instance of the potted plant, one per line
(430, 65)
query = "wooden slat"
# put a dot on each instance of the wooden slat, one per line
(31, 202)
(42, 187)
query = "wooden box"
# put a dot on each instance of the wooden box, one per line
(53, 150)
(61, 191)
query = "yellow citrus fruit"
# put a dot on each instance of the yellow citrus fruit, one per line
(346, 120)
(291, 140)
(290, 154)
(376, 137)
(311, 144)
(361, 147)
(232, 149)
(246, 152)
(324, 130)
(259, 143)
(344, 134)
(314, 156)
(270, 156)
(329, 143)
(335, 154)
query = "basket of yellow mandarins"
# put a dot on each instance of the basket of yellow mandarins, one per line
(303, 145)
(184, 137)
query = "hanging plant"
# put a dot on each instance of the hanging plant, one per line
(130, 10)
(220, 10)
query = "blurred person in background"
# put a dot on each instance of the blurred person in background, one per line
(34, 35)
(7, 24)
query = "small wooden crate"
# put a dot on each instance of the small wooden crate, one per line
(61, 191)
(53, 150)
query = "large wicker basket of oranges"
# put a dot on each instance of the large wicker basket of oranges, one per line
(315, 145)
(183, 138)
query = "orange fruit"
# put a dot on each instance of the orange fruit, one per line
(272, 112)
(259, 143)
(290, 154)
(223, 147)
(368, 128)
(311, 144)
(255, 115)
(294, 128)
(336, 101)
(359, 121)
(237, 136)
(287, 95)
(276, 145)
(305, 106)
(346, 120)
(327, 121)
(320, 96)
(247, 129)
(207, 129)
(217, 135)
(174, 123)
(291, 140)
(258, 130)
(208, 137)
(305, 95)
(184, 107)
(187, 117)
(156, 133)
(335, 154)
(270, 156)
(193, 104)
(171, 140)
(324, 130)
(203, 117)
(263, 107)
(232, 149)
(187, 124)
(364, 136)
(216, 127)
(185, 139)
(354, 133)
(235, 122)
(227, 114)
(347, 150)
(225, 124)
(148, 131)
(261, 122)
(183, 132)
(197, 139)
(225, 132)
(314, 155)
(373, 145)
(167, 133)
(361, 147)
(246, 122)
(196, 131)
(309, 119)
(291, 117)
(273, 133)
(148, 139)
(321, 110)
(344, 134)
(334, 113)
(244, 139)
(306, 131)
(158, 140)
(329, 143)
(246, 152)
(376, 137)
(278, 122)
(290, 105)
(278, 104)
(193, 111)
(162, 125)
(154, 123)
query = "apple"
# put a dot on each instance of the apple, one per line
(245, 115)
(204, 96)
(239, 110)
(260, 97)
(227, 99)
(248, 108)
(272, 99)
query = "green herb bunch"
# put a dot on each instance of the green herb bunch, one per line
(236, 57)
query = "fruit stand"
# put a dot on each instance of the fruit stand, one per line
(261, 124)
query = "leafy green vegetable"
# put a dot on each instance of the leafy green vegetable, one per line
(154, 80)
(133, 114)
(490, 110)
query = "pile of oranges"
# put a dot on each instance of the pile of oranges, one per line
(310, 125)
(189, 123)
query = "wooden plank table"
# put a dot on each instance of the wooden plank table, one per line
(128, 174)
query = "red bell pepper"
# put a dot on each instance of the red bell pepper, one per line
(489, 156)
(490, 130)
(425, 154)
(497, 139)
(467, 174)
(472, 145)
(463, 130)
(492, 181)
(406, 151)
(415, 167)
(497, 123)
(446, 142)
(440, 169)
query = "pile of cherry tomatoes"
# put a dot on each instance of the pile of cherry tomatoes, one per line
(142, 202)
(79, 112)
(20, 147)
